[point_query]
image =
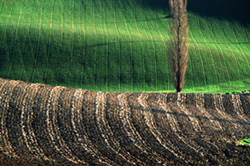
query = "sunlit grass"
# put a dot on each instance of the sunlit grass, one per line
(117, 47)
(244, 142)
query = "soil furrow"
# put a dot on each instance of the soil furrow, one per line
(46, 125)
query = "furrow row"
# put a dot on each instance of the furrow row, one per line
(47, 124)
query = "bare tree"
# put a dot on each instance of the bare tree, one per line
(178, 43)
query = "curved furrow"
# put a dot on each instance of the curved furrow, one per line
(3, 83)
(181, 98)
(39, 123)
(170, 117)
(6, 95)
(91, 128)
(84, 144)
(185, 140)
(149, 119)
(46, 125)
(200, 105)
(245, 101)
(124, 115)
(196, 104)
(26, 123)
(53, 129)
(76, 110)
(232, 105)
(64, 127)
(104, 128)
(186, 127)
(174, 124)
(189, 102)
(221, 114)
(126, 146)
(157, 154)
(237, 108)
(17, 136)
(181, 118)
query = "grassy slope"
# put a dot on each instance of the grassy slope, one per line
(116, 45)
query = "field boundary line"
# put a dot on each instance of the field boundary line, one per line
(241, 50)
(229, 47)
(201, 59)
(14, 42)
(107, 49)
(95, 50)
(26, 38)
(166, 48)
(39, 37)
(49, 46)
(153, 43)
(85, 44)
(4, 37)
(131, 50)
(118, 38)
(73, 38)
(142, 52)
(218, 46)
(210, 50)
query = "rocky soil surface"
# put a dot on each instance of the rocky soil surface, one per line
(46, 125)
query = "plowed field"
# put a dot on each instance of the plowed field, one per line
(47, 125)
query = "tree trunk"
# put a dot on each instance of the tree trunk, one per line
(178, 45)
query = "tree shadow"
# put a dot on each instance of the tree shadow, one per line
(112, 43)
(142, 20)
(206, 118)
(177, 114)
(236, 43)
(155, 41)
(222, 9)
(157, 4)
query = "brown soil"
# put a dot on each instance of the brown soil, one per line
(46, 125)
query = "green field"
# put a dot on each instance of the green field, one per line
(244, 142)
(121, 46)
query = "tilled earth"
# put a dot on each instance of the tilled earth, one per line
(46, 125)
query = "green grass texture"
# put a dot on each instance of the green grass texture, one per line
(245, 142)
(121, 46)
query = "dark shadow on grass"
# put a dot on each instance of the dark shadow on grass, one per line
(232, 10)
(156, 41)
(142, 20)
(123, 42)
(114, 22)
(221, 43)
